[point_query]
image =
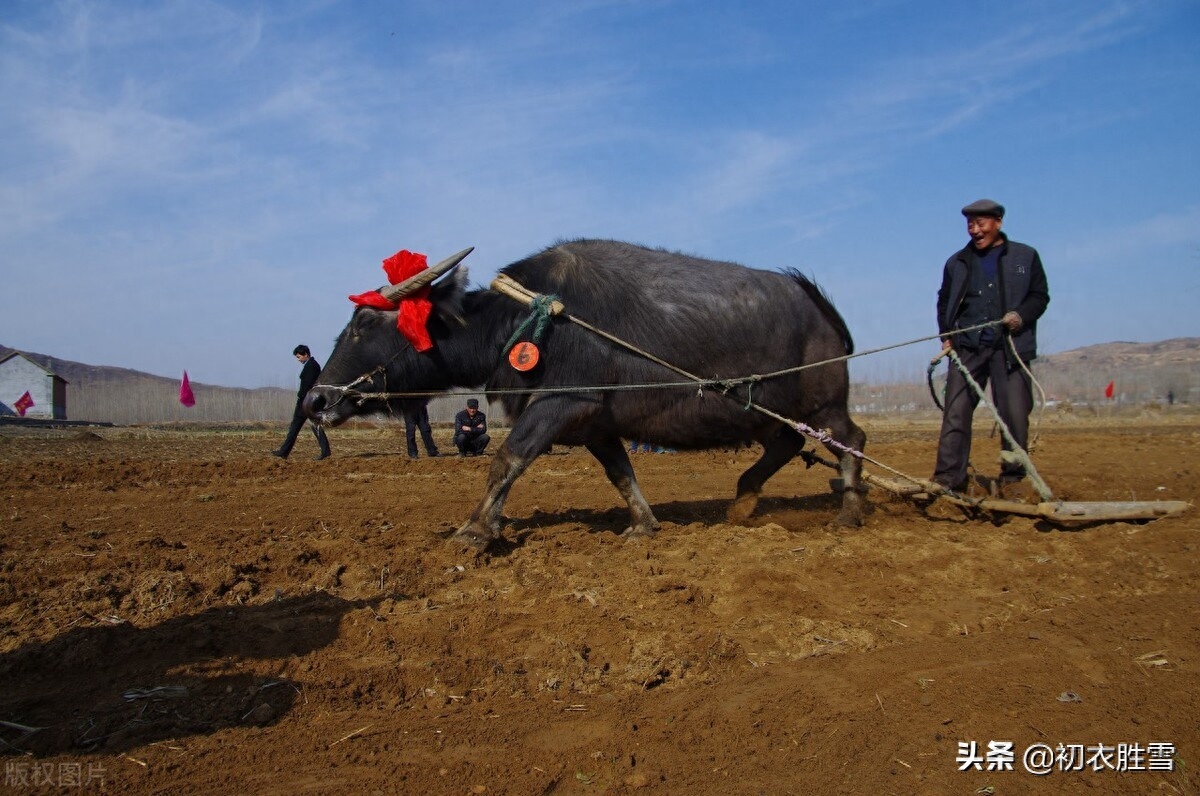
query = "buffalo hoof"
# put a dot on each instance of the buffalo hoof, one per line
(475, 535)
(853, 508)
(849, 518)
(742, 508)
(640, 532)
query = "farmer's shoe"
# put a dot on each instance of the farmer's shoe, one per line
(961, 487)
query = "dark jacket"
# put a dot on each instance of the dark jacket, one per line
(478, 424)
(308, 377)
(1023, 289)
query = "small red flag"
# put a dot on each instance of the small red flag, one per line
(1108, 391)
(185, 392)
(23, 403)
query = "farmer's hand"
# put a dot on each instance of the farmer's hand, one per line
(947, 344)
(1012, 321)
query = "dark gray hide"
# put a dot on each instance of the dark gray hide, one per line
(715, 319)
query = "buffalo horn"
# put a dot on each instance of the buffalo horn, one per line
(420, 280)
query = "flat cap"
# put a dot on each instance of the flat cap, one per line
(472, 403)
(984, 207)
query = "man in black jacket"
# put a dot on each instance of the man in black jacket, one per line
(308, 377)
(470, 430)
(990, 279)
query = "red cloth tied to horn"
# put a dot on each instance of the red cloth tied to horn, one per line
(414, 308)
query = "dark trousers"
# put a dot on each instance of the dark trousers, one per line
(1012, 395)
(412, 422)
(298, 420)
(471, 444)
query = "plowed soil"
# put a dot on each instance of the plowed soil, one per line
(182, 613)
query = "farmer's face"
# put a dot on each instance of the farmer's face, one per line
(984, 231)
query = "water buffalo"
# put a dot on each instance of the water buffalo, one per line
(718, 320)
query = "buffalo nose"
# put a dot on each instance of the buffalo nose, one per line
(316, 402)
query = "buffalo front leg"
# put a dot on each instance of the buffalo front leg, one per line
(483, 527)
(777, 451)
(611, 453)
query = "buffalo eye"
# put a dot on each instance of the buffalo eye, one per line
(364, 320)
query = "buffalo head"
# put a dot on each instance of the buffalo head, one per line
(372, 357)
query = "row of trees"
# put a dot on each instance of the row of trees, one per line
(149, 399)
(142, 400)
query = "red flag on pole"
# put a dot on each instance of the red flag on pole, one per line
(1108, 391)
(185, 392)
(23, 403)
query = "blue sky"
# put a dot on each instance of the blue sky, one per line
(200, 184)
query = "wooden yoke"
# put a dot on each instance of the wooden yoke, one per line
(515, 290)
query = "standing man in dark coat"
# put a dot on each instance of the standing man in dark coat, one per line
(417, 417)
(308, 377)
(990, 279)
(470, 430)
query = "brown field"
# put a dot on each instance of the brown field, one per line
(308, 628)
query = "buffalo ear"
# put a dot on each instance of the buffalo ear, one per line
(447, 295)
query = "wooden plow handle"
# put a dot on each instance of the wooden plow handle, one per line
(515, 290)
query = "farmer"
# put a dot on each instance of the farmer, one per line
(990, 279)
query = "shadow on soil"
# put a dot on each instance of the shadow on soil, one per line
(114, 687)
(814, 509)
(799, 514)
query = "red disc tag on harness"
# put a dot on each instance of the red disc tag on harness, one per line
(524, 356)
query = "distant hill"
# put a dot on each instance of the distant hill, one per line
(124, 396)
(78, 371)
(1140, 372)
(102, 393)
(1177, 352)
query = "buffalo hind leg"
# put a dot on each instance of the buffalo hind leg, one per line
(483, 527)
(780, 449)
(611, 453)
(849, 466)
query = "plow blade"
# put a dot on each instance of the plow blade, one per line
(1068, 511)
(1061, 512)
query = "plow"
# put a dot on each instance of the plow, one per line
(1048, 507)
(1065, 513)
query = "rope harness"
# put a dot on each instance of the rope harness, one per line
(1016, 453)
(543, 307)
(540, 310)
(721, 385)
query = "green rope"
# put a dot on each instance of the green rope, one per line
(539, 314)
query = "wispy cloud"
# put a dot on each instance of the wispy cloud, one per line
(1117, 246)
(214, 149)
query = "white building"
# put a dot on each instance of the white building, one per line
(18, 375)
